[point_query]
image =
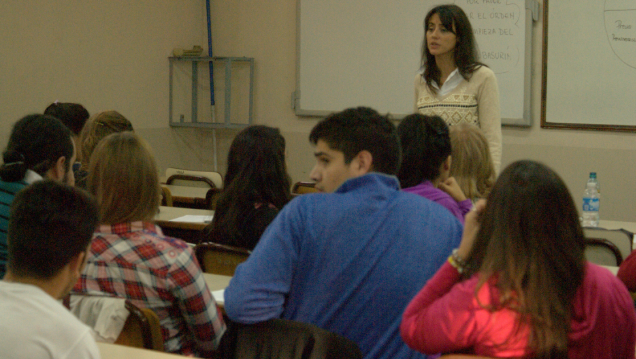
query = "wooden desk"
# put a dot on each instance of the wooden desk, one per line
(188, 195)
(187, 231)
(217, 283)
(115, 351)
(628, 226)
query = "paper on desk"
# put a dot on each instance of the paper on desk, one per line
(193, 218)
(218, 296)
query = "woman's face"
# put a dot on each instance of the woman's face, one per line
(439, 40)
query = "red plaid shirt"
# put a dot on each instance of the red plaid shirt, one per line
(136, 261)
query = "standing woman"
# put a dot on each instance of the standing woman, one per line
(452, 84)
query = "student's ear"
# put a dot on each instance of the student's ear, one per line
(58, 170)
(77, 264)
(363, 162)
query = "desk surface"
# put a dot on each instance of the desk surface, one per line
(187, 192)
(166, 215)
(115, 351)
(217, 284)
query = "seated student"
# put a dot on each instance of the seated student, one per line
(257, 186)
(39, 147)
(351, 260)
(131, 258)
(426, 162)
(519, 284)
(73, 116)
(627, 272)
(50, 230)
(98, 126)
(472, 165)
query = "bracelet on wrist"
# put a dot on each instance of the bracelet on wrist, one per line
(457, 262)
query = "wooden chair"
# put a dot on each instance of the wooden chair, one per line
(603, 252)
(142, 329)
(166, 197)
(280, 338)
(303, 188)
(211, 197)
(204, 179)
(219, 258)
(621, 238)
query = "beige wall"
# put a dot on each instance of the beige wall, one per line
(129, 72)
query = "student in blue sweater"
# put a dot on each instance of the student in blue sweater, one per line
(348, 261)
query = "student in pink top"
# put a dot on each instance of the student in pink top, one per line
(426, 163)
(519, 284)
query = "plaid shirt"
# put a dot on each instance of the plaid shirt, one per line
(136, 261)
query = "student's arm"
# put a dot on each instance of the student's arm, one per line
(260, 285)
(195, 301)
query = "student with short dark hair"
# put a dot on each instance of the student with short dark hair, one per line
(73, 116)
(347, 261)
(131, 258)
(426, 163)
(50, 229)
(39, 147)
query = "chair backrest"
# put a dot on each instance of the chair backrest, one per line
(117, 320)
(183, 177)
(280, 338)
(142, 329)
(303, 188)
(622, 239)
(219, 258)
(166, 197)
(603, 252)
(211, 197)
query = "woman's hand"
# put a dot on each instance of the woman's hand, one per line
(451, 187)
(471, 227)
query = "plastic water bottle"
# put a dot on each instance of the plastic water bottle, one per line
(591, 202)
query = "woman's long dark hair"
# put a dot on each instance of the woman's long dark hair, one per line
(426, 144)
(256, 173)
(531, 241)
(466, 54)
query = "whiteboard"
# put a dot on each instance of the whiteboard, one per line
(589, 65)
(367, 52)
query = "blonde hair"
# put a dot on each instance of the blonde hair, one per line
(97, 127)
(123, 178)
(471, 163)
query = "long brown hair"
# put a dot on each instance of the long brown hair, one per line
(531, 241)
(471, 163)
(466, 54)
(123, 178)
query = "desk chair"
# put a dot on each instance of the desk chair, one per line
(211, 197)
(284, 339)
(303, 187)
(166, 197)
(603, 252)
(194, 178)
(622, 239)
(219, 258)
(117, 320)
(141, 329)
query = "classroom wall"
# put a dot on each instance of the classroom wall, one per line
(267, 32)
(34, 73)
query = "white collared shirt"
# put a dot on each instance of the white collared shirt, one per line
(453, 80)
(32, 176)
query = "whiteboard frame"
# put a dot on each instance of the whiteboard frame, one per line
(544, 89)
(532, 9)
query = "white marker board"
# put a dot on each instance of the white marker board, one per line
(367, 52)
(589, 65)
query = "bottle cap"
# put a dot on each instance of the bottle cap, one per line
(592, 174)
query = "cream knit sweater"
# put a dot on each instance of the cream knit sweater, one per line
(475, 101)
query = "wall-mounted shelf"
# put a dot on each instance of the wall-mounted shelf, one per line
(227, 122)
